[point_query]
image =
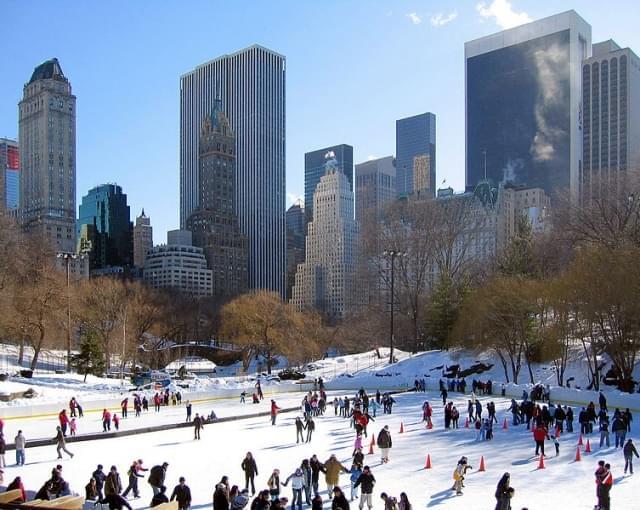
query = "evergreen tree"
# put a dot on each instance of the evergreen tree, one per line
(442, 312)
(90, 359)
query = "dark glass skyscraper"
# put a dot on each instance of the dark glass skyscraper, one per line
(416, 155)
(314, 169)
(523, 104)
(105, 228)
(251, 87)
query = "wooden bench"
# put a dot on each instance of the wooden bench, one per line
(172, 505)
(10, 496)
(63, 503)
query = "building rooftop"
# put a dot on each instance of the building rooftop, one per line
(48, 70)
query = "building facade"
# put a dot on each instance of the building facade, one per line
(105, 230)
(611, 118)
(214, 224)
(415, 146)
(375, 187)
(251, 87)
(523, 104)
(296, 227)
(142, 239)
(314, 170)
(325, 281)
(47, 138)
(9, 174)
(178, 265)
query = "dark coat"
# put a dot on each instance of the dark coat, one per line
(220, 501)
(249, 466)
(158, 499)
(340, 503)
(182, 494)
(384, 439)
(366, 481)
(156, 476)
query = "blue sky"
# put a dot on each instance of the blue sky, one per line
(353, 68)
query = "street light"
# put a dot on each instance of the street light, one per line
(392, 254)
(68, 257)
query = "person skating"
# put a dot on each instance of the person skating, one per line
(629, 451)
(404, 503)
(182, 494)
(297, 484)
(316, 466)
(113, 483)
(316, 502)
(390, 502)
(91, 491)
(124, 407)
(99, 476)
(240, 500)
(356, 471)
(307, 476)
(133, 475)
(332, 469)
(157, 476)
(198, 425)
(259, 390)
(274, 411)
(116, 502)
(18, 485)
(299, 430)
(188, 406)
(220, 499)
(261, 502)
(61, 444)
(605, 482)
(64, 421)
(116, 422)
(540, 433)
(366, 482)
(20, 444)
(274, 485)
(504, 493)
(385, 443)
(160, 498)
(604, 432)
(340, 501)
(310, 426)
(458, 475)
(250, 471)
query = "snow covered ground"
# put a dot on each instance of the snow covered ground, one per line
(562, 484)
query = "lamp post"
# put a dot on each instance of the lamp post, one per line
(392, 254)
(68, 257)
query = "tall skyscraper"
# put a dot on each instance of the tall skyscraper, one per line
(251, 87)
(142, 239)
(214, 223)
(611, 118)
(326, 279)
(375, 187)
(9, 174)
(296, 226)
(314, 169)
(415, 139)
(523, 104)
(104, 227)
(47, 127)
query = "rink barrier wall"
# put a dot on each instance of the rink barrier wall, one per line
(159, 428)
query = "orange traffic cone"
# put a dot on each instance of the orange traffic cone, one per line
(541, 463)
(466, 423)
(580, 443)
(505, 425)
(428, 464)
(401, 427)
(481, 468)
(578, 456)
(587, 449)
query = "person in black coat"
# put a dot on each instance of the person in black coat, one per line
(250, 472)
(339, 502)
(504, 493)
(157, 476)
(262, 501)
(100, 478)
(116, 502)
(366, 481)
(182, 494)
(220, 500)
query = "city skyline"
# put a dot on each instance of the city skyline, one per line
(321, 110)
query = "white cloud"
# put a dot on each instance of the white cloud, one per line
(502, 11)
(442, 19)
(415, 19)
(293, 198)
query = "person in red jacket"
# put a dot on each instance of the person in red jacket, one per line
(17, 484)
(64, 421)
(540, 433)
(106, 420)
(274, 412)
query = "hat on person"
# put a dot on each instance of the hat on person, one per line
(165, 464)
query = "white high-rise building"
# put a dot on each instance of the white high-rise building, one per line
(250, 88)
(325, 281)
